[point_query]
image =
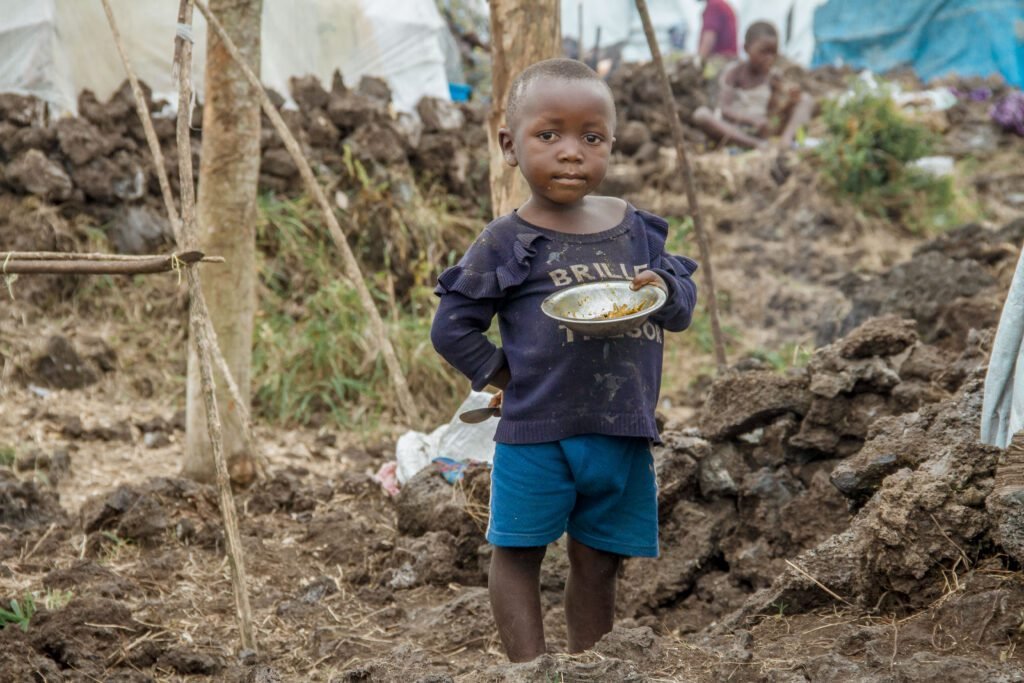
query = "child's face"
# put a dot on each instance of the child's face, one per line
(762, 53)
(561, 138)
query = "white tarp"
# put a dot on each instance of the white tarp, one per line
(1002, 409)
(56, 48)
(31, 61)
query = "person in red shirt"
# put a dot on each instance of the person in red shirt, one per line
(717, 31)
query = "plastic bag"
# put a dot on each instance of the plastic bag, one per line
(456, 440)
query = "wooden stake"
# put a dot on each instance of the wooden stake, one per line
(12, 264)
(142, 110)
(691, 192)
(351, 266)
(147, 126)
(200, 326)
(189, 257)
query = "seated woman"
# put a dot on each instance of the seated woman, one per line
(753, 101)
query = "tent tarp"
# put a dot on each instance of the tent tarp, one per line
(935, 37)
(54, 49)
(1002, 410)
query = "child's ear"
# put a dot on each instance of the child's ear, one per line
(507, 147)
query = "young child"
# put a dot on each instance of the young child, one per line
(577, 412)
(752, 101)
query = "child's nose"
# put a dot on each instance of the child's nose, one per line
(570, 150)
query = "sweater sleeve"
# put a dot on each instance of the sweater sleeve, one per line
(676, 271)
(458, 335)
(677, 312)
(471, 293)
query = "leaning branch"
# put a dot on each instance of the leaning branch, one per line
(352, 269)
(691, 192)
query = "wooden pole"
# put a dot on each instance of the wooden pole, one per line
(349, 261)
(691, 192)
(142, 109)
(11, 265)
(200, 326)
(188, 257)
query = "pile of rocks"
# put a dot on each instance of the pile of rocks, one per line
(98, 162)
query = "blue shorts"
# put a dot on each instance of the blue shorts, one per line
(601, 489)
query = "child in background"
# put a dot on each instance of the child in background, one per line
(577, 418)
(752, 101)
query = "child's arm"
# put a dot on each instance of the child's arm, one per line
(458, 335)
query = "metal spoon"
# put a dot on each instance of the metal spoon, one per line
(479, 415)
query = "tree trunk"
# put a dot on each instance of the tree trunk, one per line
(228, 175)
(522, 32)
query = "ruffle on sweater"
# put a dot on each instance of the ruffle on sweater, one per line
(478, 283)
(657, 234)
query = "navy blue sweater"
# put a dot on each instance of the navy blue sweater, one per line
(562, 383)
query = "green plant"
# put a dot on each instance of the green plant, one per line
(7, 456)
(21, 612)
(866, 157)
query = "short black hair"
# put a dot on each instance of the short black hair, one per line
(561, 68)
(758, 30)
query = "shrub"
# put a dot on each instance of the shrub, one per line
(866, 157)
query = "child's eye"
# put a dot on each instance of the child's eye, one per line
(547, 136)
(592, 139)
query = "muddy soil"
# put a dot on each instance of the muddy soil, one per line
(823, 524)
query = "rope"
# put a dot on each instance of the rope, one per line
(176, 266)
(184, 31)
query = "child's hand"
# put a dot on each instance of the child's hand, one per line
(648, 277)
(495, 401)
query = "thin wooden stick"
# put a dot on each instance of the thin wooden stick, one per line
(819, 584)
(142, 109)
(74, 256)
(200, 326)
(351, 266)
(691, 192)
(151, 264)
(147, 125)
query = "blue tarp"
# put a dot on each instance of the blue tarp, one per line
(934, 37)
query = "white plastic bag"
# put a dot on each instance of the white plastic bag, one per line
(456, 440)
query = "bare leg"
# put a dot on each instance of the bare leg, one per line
(719, 128)
(514, 585)
(589, 594)
(801, 114)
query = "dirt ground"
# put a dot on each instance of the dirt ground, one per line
(822, 516)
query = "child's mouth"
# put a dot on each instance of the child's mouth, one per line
(570, 179)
